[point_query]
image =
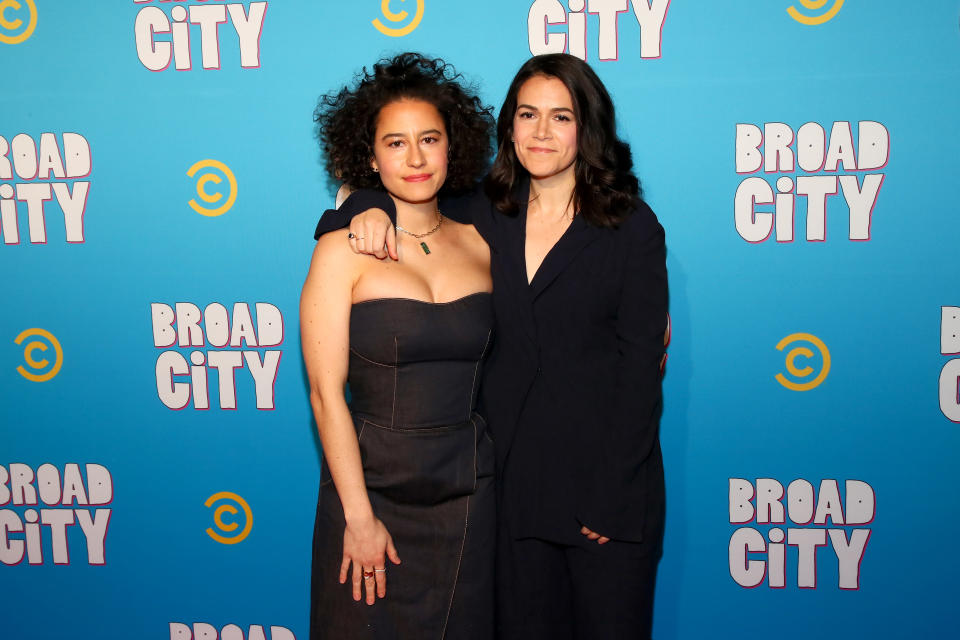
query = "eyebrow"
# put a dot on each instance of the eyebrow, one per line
(533, 108)
(401, 135)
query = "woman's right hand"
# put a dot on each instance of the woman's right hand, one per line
(364, 545)
(373, 234)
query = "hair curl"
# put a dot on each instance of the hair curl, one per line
(606, 189)
(346, 120)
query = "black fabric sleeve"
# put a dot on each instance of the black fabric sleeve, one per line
(627, 491)
(358, 202)
(470, 208)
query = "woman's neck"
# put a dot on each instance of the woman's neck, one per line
(417, 217)
(552, 196)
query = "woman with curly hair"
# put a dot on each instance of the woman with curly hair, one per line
(572, 387)
(408, 466)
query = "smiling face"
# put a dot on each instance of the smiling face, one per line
(545, 128)
(410, 149)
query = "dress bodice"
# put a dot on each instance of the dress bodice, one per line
(416, 363)
(428, 466)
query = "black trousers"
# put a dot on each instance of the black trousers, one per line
(584, 591)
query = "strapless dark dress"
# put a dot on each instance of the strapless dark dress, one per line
(428, 464)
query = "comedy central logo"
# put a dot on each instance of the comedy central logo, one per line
(40, 370)
(814, 370)
(228, 502)
(395, 17)
(815, 5)
(13, 16)
(216, 203)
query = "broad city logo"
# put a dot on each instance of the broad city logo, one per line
(166, 34)
(555, 28)
(240, 347)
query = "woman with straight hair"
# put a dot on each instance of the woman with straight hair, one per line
(572, 386)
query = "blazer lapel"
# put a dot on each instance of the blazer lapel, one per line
(513, 241)
(577, 236)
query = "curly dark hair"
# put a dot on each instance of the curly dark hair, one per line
(346, 119)
(606, 189)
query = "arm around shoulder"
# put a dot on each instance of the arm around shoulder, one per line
(358, 202)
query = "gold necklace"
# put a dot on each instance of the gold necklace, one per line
(418, 236)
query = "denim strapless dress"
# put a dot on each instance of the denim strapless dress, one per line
(428, 465)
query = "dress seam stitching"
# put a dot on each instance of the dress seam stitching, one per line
(379, 364)
(476, 370)
(463, 541)
(396, 368)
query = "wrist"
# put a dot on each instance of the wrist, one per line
(359, 518)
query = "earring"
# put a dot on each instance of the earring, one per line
(375, 170)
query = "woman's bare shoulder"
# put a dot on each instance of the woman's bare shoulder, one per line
(334, 245)
(332, 256)
(466, 233)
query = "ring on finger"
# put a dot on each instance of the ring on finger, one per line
(351, 235)
(367, 575)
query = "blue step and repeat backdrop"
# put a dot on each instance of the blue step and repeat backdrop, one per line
(159, 184)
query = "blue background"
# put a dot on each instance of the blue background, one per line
(876, 304)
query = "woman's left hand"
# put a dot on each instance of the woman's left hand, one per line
(593, 535)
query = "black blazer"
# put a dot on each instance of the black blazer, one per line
(585, 338)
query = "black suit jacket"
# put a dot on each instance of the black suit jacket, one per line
(583, 341)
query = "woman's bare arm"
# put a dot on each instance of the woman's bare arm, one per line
(325, 305)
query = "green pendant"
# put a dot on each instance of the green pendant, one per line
(426, 249)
